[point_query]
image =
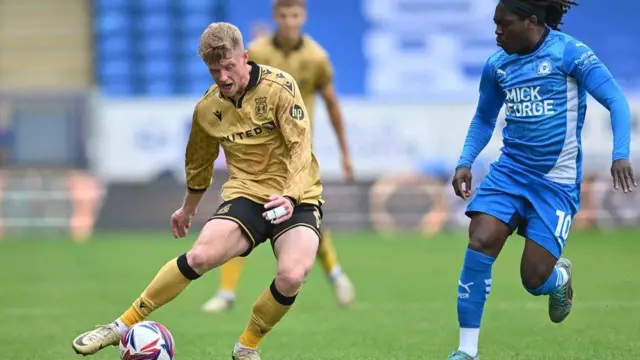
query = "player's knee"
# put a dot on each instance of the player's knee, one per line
(289, 279)
(487, 234)
(483, 241)
(200, 260)
(534, 275)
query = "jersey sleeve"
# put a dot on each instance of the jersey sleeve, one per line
(325, 73)
(293, 121)
(484, 120)
(581, 63)
(202, 151)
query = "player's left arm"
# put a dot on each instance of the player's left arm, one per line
(294, 124)
(324, 84)
(581, 63)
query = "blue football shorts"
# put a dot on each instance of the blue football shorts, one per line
(541, 210)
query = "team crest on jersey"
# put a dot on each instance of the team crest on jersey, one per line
(544, 68)
(261, 106)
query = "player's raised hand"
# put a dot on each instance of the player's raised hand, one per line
(623, 176)
(180, 223)
(462, 182)
(279, 209)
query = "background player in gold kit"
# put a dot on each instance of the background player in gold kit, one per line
(298, 54)
(257, 115)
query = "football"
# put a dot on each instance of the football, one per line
(147, 340)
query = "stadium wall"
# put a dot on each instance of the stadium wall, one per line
(403, 154)
(136, 140)
(119, 165)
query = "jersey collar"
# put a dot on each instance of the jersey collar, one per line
(278, 45)
(254, 78)
(539, 44)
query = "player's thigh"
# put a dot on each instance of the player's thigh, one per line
(247, 215)
(219, 241)
(541, 251)
(494, 214)
(547, 225)
(295, 243)
(548, 218)
(304, 215)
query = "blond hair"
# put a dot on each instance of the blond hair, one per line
(288, 3)
(219, 41)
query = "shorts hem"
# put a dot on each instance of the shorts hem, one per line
(469, 213)
(556, 252)
(276, 236)
(243, 228)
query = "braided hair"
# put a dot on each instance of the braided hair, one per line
(549, 12)
(555, 10)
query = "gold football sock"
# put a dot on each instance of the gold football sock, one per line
(265, 314)
(172, 278)
(230, 274)
(327, 254)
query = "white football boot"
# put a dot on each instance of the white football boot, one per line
(95, 340)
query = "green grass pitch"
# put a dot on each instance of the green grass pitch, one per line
(50, 291)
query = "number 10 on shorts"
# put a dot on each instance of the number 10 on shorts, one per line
(564, 225)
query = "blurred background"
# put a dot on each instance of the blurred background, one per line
(96, 99)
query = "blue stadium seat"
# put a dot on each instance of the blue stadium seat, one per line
(157, 67)
(151, 5)
(160, 24)
(197, 88)
(189, 44)
(161, 45)
(101, 5)
(117, 88)
(204, 6)
(159, 87)
(110, 22)
(116, 45)
(195, 23)
(115, 68)
(194, 67)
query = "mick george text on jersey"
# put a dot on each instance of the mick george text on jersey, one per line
(526, 101)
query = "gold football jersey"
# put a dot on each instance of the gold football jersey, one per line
(265, 136)
(307, 62)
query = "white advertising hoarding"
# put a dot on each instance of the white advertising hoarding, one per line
(138, 140)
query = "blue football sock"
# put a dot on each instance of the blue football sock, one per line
(557, 278)
(473, 288)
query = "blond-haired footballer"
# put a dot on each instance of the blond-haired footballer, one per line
(298, 54)
(257, 115)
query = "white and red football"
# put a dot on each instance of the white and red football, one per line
(147, 340)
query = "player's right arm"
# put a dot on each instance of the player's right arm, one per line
(481, 128)
(201, 153)
(581, 63)
(484, 121)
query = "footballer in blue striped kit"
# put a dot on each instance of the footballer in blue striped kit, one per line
(542, 77)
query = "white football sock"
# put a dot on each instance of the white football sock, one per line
(563, 275)
(227, 295)
(122, 328)
(335, 272)
(469, 341)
